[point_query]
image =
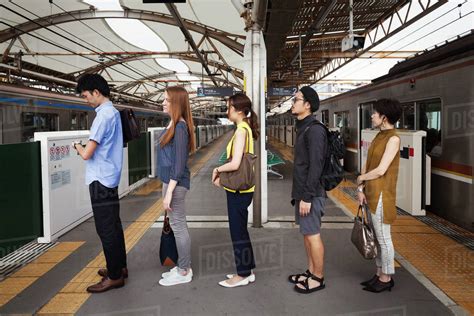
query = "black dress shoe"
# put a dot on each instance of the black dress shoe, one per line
(105, 285)
(371, 281)
(380, 286)
(103, 273)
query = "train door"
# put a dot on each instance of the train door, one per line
(79, 120)
(365, 121)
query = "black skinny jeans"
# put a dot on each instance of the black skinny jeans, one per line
(237, 208)
(106, 209)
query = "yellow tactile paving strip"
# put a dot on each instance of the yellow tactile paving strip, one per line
(31, 272)
(448, 264)
(72, 296)
(151, 186)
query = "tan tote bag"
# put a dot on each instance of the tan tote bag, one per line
(243, 178)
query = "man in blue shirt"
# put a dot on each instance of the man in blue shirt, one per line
(103, 154)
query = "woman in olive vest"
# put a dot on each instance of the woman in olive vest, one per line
(377, 186)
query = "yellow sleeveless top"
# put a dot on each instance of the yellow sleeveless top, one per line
(248, 149)
(386, 183)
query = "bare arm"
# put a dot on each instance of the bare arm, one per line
(88, 151)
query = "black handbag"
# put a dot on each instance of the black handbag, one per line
(130, 127)
(363, 235)
(168, 250)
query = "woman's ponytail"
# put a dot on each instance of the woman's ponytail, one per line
(252, 120)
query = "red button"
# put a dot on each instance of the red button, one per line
(412, 152)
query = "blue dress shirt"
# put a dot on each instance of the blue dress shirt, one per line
(105, 165)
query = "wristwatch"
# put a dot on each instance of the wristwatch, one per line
(360, 189)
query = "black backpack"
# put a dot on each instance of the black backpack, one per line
(333, 172)
(130, 128)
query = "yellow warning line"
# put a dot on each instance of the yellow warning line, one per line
(31, 272)
(448, 264)
(72, 296)
(150, 186)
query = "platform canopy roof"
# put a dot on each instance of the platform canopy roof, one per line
(141, 48)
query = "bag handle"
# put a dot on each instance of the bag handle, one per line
(166, 224)
(366, 218)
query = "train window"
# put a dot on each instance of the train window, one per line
(79, 121)
(325, 117)
(142, 124)
(151, 122)
(341, 119)
(407, 120)
(429, 120)
(366, 110)
(37, 122)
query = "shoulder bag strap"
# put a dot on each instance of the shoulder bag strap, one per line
(246, 140)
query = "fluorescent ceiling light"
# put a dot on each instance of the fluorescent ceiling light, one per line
(103, 5)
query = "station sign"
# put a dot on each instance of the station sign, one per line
(282, 91)
(215, 91)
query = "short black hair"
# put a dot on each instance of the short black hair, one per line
(91, 82)
(391, 108)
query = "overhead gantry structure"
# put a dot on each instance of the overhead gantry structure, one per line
(302, 39)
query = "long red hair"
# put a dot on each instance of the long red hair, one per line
(179, 108)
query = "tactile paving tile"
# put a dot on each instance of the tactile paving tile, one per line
(28, 274)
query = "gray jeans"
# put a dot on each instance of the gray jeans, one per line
(178, 223)
(386, 252)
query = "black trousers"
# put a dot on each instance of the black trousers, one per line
(237, 208)
(106, 209)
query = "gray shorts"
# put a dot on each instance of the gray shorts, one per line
(311, 223)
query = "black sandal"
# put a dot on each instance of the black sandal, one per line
(305, 283)
(295, 278)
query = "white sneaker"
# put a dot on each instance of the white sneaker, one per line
(250, 277)
(177, 278)
(170, 272)
(242, 282)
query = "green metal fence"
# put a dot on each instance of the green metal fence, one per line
(20, 195)
(139, 158)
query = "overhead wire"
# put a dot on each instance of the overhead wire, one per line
(101, 35)
(411, 33)
(392, 44)
(66, 38)
(69, 33)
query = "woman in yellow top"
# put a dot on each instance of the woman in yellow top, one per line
(239, 111)
(380, 184)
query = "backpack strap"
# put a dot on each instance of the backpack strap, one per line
(316, 122)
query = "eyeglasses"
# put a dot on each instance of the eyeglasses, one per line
(294, 100)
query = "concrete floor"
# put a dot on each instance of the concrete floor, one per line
(279, 252)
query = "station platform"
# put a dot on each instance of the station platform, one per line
(433, 272)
